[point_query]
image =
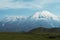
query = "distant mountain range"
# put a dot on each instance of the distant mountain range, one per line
(43, 19)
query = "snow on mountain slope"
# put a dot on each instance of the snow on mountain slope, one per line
(44, 15)
(13, 18)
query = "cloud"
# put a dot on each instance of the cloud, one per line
(16, 4)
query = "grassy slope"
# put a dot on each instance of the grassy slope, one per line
(35, 34)
(27, 36)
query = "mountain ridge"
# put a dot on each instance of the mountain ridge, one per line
(41, 19)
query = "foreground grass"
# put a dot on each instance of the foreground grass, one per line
(28, 36)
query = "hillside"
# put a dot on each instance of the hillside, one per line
(45, 30)
(35, 34)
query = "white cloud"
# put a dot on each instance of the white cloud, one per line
(5, 4)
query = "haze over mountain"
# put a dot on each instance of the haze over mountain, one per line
(44, 19)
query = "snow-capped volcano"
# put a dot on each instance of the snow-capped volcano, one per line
(22, 23)
(44, 15)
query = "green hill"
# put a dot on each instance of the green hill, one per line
(35, 34)
(45, 30)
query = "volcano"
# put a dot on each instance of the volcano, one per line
(43, 19)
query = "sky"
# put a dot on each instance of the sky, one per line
(28, 7)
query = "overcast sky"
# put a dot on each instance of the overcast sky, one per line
(28, 7)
